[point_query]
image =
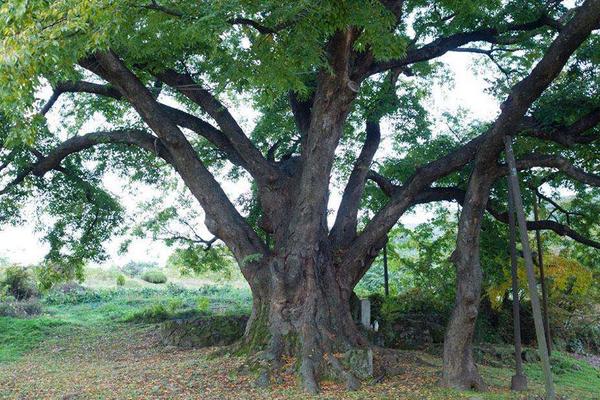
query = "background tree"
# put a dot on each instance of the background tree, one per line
(157, 77)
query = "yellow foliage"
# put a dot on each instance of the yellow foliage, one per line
(564, 276)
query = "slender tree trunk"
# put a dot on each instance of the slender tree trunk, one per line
(519, 380)
(386, 283)
(459, 369)
(543, 282)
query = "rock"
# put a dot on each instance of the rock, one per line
(203, 331)
(389, 362)
(360, 362)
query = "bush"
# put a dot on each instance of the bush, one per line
(50, 273)
(120, 280)
(18, 283)
(20, 308)
(156, 312)
(203, 304)
(136, 268)
(154, 276)
(74, 293)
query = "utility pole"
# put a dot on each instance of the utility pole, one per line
(519, 380)
(533, 294)
(542, 275)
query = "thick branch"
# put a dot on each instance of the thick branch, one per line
(258, 166)
(557, 162)
(565, 135)
(222, 219)
(458, 195)
(79, 143)
(181, 118)
(344, 228)
(442, 45)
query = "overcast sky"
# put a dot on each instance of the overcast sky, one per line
(22, 244)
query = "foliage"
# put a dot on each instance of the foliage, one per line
(196, 259)
(203, 304)
(26, 308)
(120, 280)
(154, 276)
(50, 273)
(567, 279)
(18, 283)
(136, 268)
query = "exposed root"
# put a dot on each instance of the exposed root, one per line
(467, 381)
(352, 382)
(307, 373)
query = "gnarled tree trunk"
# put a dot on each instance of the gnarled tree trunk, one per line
(301, 310)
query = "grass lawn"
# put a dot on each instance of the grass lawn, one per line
(84, 348)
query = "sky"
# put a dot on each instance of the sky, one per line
(23, 245)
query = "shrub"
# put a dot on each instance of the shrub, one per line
(74, 293)
(50, 273)
(156, 312)
(203, 304)
(18, 283)
(174, 304)
(120, 280)
(154, 276)
(136, 268)
(20, 308)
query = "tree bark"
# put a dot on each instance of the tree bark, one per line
(303, 311)
(543, 282)
(459, 369)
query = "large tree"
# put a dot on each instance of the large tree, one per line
(157, 77)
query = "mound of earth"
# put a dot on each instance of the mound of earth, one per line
(203, 330)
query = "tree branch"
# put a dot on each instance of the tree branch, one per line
(344, 228)
(442, 45)
(258, 166)
(76, 144)
(567, 136)
(458, 195)
(181, 118)
(222, 219)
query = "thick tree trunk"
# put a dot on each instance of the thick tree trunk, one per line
(303, 312)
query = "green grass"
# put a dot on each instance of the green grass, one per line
(91, 309)
(17, 336)
(82, 340)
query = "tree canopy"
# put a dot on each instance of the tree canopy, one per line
(342, 94)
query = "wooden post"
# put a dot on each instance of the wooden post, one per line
(542, 276)
(386, 280)
(533, 294)
(519, 380)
